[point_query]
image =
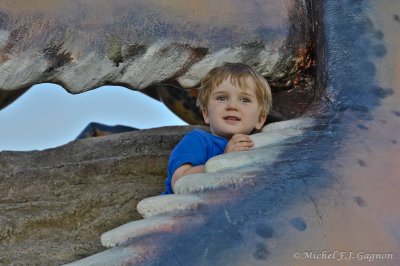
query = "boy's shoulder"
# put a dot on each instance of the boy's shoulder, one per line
(205, 135)
(197, 134)
(200, 133)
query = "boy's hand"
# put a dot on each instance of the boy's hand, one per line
(239, 142)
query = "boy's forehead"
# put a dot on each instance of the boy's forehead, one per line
(244, 83)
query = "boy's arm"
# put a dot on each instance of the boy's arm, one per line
(239, 142)
(186, 169)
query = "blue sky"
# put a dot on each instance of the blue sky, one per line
(47, 116)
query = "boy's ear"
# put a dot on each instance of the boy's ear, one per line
(205, 116)
(261, 121)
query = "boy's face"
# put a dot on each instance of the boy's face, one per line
(233, 110)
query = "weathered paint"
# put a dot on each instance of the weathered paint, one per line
(331, 190)
(82, 45)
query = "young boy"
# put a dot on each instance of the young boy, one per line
(235, 101)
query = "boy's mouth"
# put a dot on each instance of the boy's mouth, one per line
(231, 118)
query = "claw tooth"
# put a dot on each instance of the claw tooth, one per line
(214, 181)
(133, 229)
(237, 161)
(171, 204)
(272, 138)
(297, 123)
(151, 225)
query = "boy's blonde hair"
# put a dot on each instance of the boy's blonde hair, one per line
(237, 73)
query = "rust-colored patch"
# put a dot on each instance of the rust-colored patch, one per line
(16, 36)
(198, 53)
(56, 57)
(4, 58)
(182, 102)
(135, 50)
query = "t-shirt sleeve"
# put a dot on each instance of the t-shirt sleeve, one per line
(191, 149)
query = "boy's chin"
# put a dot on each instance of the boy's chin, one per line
(225, 135)
(228, 135)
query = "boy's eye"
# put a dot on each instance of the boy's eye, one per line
(221, 98)
(246, 100)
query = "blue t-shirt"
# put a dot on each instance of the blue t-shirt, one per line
(195, 148)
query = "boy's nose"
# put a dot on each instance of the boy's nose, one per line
(231, 105)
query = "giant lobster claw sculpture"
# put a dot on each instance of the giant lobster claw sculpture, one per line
(321, 185)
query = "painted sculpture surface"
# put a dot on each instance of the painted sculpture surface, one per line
(325, 182)
(139, 44)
